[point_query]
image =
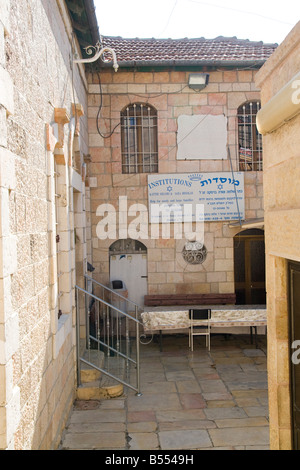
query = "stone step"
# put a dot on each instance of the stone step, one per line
(96, 385)
(98, 391)
(88, 373)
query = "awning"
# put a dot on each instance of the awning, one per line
(250, 223)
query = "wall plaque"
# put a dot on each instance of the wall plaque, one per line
(174, 196)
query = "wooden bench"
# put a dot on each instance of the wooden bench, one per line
(162, 300)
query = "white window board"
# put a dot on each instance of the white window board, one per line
(202, 137)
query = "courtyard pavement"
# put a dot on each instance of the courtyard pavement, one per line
(197, 400)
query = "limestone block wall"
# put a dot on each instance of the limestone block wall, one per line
(281, 177)
(168, 92)
(37, 358)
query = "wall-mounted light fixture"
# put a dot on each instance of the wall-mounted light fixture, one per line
(98, 53)
(198, 81)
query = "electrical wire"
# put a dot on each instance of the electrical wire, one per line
(107, 136)
(150, 95)
(240, 11)
(147, 96)
(128, 176)
(72, 71)
(236, 196)
(169, 19)
(193, 129)
(176, 145)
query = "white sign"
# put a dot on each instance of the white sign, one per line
(202, 137)
(221, 194)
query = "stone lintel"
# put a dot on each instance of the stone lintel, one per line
(78, 111)
(61, 117)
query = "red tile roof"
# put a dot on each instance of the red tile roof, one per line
(200, 51)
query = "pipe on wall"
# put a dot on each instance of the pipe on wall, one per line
(281, 108)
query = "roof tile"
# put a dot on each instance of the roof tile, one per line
(139, 51)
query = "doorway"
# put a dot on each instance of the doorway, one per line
(128, 263)
(294, 303)
(249, 267)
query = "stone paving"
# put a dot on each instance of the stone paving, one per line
(190, 401)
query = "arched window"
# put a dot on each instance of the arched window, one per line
(139, 139)
(250, 141)
(127, 246)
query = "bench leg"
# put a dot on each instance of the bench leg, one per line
(255, 335)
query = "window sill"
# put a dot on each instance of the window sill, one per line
(64, 328)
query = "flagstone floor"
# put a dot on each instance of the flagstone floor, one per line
(197, 400)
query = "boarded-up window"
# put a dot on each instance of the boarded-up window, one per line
(202, 137)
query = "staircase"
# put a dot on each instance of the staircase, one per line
(94, 385)
(108, 356)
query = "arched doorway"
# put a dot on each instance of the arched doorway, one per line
(249, 267)
(128, 263)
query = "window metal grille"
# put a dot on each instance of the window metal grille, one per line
(139, 139)
(249, 139)
(127, 246)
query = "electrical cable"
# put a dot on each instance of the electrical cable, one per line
(147, 96)
(72, 71)
(170, 16)
(236, 196)
(158, 95)
(240, 11)
(175, 146)
(192, 130)
(107, 136)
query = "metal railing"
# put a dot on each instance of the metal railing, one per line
(112, 332)
(109, 294)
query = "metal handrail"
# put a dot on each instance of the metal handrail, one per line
(113, 292)
(91, 337)
(90, 364)
(108, 304)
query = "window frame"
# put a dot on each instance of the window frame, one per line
(144, 126)
(249, 140)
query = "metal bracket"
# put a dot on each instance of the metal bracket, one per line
(98, 52)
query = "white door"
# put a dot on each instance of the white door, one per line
(132, 270)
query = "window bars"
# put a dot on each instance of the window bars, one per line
(139, 139)
(249, 139)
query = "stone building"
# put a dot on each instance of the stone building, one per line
(43, 141)
(149, 126)
(279, 122)
(74, 138)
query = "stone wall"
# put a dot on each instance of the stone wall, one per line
(168, 92)
(37, 359)
(282, 220)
